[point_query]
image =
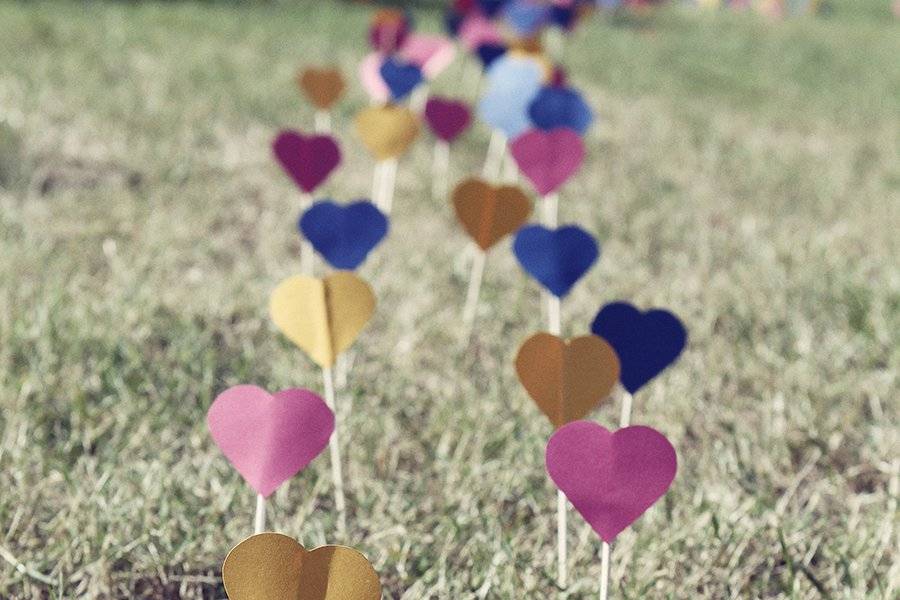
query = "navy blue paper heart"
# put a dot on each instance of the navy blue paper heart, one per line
(557, 258)
(343, 234)
(562, 16)
(646, 342)
(560, 107)
(401, 77)
(452, 21)
(488, 53)
(491, 7)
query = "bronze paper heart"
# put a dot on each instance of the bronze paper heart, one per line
(487, 212)
(323, 87)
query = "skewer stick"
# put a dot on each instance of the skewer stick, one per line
(441, 169)
(259, 520)
(388, 183)
(323, 121)
(493, 162)
(550, 205)
(475, 278)
(418, 99)
(510, 170)
(377, 176)
(554, 325)
(335, 449)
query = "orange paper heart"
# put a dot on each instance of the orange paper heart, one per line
(272, 566)
(567, 379)
(490, 212)
(323, 87)
(387, 131)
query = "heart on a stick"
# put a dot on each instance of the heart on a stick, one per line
(272, 566)
(610, 478)
(447, 118)
(269, 438)
(308, 160)
(387, 131)
(548, 158)
(323, 87)
(487, 212)
(323, 317)
(567, 379)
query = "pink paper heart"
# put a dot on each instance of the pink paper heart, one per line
(308, 160)
(370, 76)
(267, 438)
(610, 478)
(476, 29)
(447, 118)
(431, 53)
(548, 158)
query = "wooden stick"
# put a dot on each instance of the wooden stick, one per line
(494, 159)
(510, 170)
(627, 401)
(550, 207)
(323, 121)
(335, 449)
(377, 176)
(475, 278)
(554, 322)
(307, 254)
(259, 520)
(388, 184)
(340, 371)
(440, 170)
(562, 571)
(604, 571)
(418, 99)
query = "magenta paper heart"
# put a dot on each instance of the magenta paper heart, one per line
(447, 118)
(267, 438)
(548, 158)
(372, 81)
(308, 160)
(610, 478)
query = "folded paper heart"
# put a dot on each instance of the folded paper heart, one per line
(343, 235)
(269, 438)
(513, 82)
(646, 342)
(431, 53)
(401, 77)
(447, 118)
(610, 478)
(475, 30)
(308, 160)
(560, 107)
(548, 158)
(323, 87)
(557, 258)
(487, 212)
(491, 7)
(567, 379)
(370, 77)
(323, 317)
(488, 53)
(389, 29)
(387, 131)
(525, 17)
(272, 566)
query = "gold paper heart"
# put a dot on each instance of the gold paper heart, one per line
(567, 379)
(323, 87)
(488, 212)
(272, 566)
(387, 131)
(322, 316)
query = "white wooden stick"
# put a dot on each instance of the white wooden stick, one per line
(441, 169)
(627, 401)
(604, 571)
(259, 521)
(388, 184)
(550, 206)
(510, 170)
(335, 449)
(494, 159)
(340, 371)
(472, 295)
(307, 254)
(418, 99)
(323, 121)
(377, 176)
(554, 322)
(562, 570)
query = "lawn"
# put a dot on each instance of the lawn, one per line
(744, 174)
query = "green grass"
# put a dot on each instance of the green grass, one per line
(745, 174)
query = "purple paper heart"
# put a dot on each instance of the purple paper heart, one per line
(447, 118)
(308, 160)
(548, 158)
(610, 478)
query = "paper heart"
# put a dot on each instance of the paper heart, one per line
(512, 84)
(646, 342)
(322, 316)
(344, 235)
(401, 77)
(272, 566)
(491, 7)
(488, 213)
(370, 77)
(548, 158)
(610, 478)
(476, 30)
(269, 438)
(447, 118)
(308, 160)
(387, 131)
(567, 379)
(488, 53)
(389, 29)
(525, 17)
(557, 258)
(323, 87)
(559, 107)
(431, 53)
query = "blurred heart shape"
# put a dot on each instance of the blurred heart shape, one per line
(400, 76)
(387, 131)
(476, 29)
(567, 379)
(513, 82)
(370, 77)
(560, 107)
(447, 118)
(308, 160)
(323, 317)
(389, 29)
(487, 212)
(343, 235)
(431, 53)
(269, 438)
(322, 87)
(488, 53)
(557, 258)
(526, 17)
(646, 342)
(273, 566)
(548, 158)
(610, 478)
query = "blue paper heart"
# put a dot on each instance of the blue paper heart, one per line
(343, 234)
(646, 342)
(452, 21)
(491, 7)
(488, 53)
(557, 258)
(401, 77)
(563, 16)
(513, 82)
(526, 17)
(560, 107)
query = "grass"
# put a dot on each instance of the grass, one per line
(745, 174)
